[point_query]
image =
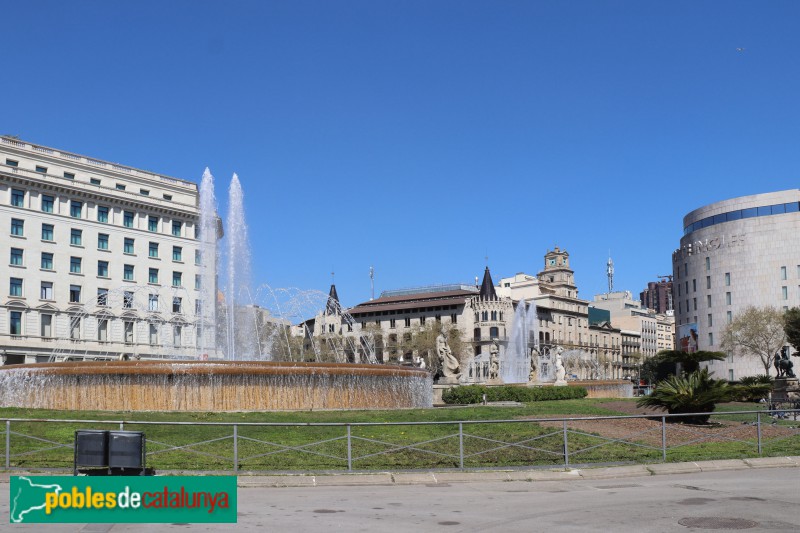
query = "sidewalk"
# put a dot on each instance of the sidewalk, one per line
(432, 478)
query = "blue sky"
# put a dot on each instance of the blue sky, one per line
(422, 136)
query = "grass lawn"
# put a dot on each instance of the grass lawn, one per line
(517, 442)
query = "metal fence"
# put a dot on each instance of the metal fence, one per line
(34, 444)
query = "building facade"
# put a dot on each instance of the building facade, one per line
(103, 263)
(658, 296)
(733, 254)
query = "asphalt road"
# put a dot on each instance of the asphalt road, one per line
(755, 499)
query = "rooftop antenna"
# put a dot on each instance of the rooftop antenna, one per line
(332, 278)
(610, 273)
(371, 283)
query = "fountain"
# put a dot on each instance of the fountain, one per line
(228, 369)
(515, 365)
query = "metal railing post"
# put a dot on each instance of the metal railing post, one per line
(349, 449)
(461, 445)
(664, 438)
(566, 446)
(121, 426)
(235, 448)
(8, 444)
(758, 429)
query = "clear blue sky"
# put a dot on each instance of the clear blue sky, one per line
(421, 136)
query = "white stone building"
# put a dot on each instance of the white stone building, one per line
(103, 260)
(733, 254)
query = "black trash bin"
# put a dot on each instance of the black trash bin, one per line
(126, 451)
(91, 449)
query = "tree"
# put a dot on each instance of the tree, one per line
(690, 361)
(689, 393)
(791, 326)
(756, 331)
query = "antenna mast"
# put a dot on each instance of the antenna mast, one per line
(371, 283)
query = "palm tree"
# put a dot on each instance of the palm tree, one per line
(689, 393)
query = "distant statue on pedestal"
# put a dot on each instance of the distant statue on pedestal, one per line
(533, 377)
(784, 366)
(494, 362)
(451, 369)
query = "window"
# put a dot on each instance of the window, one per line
(102, 241)
(198, 310)
(710, 320)
(152, 302)
(75, 329)
(47, 261)
(76, 237)
(127, 273)
(453, 318)
(94, 181)
(708, 300)
(407, 322)
(476, 334)
(102, 297)
(144, 192)
(102, 213)
(75, 265)
(127, 246)
(176, 228)
(47, 232)
(46, 326)
(176, 304)
(16, 256)
(694, 285)
(102, 269)
(75, 208)
(74, 294)
(177, 253)
(176, 335)
(47, 203)
(17, 227)
(197, 281)
(152, 250)
(694, 302)
(152, 275)
(120, 187)
(15, 287)
(127, 299)
(15, 323)
(127, 219)
(177, 280)
(708, 282)
(167, 197)
(17, 198)
(197, 257)
(102, 330)
(422, 320)
(494, 332)
(727, 298)
(69, 175)
(41, 169)
(128, 331)
(785, 292)
(12, 163)
(152, 223)
(708, 263)
(153, 334)
(392, 323)
(729, 316)
(710, 339)
(727, 279)
(46, 292)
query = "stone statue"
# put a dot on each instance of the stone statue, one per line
(451, 369)
(560, 371)
(494, 362)
(533, 377)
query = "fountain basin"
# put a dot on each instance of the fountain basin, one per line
(212, 386)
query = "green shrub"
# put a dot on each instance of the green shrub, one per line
(693, 393)
(471, 394)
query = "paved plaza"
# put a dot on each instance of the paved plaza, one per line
(614, 499)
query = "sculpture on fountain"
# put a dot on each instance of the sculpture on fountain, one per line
(494, 363)
(533, 377)
(451, 368)
(560, 371)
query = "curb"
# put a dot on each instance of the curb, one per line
(444, 478)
